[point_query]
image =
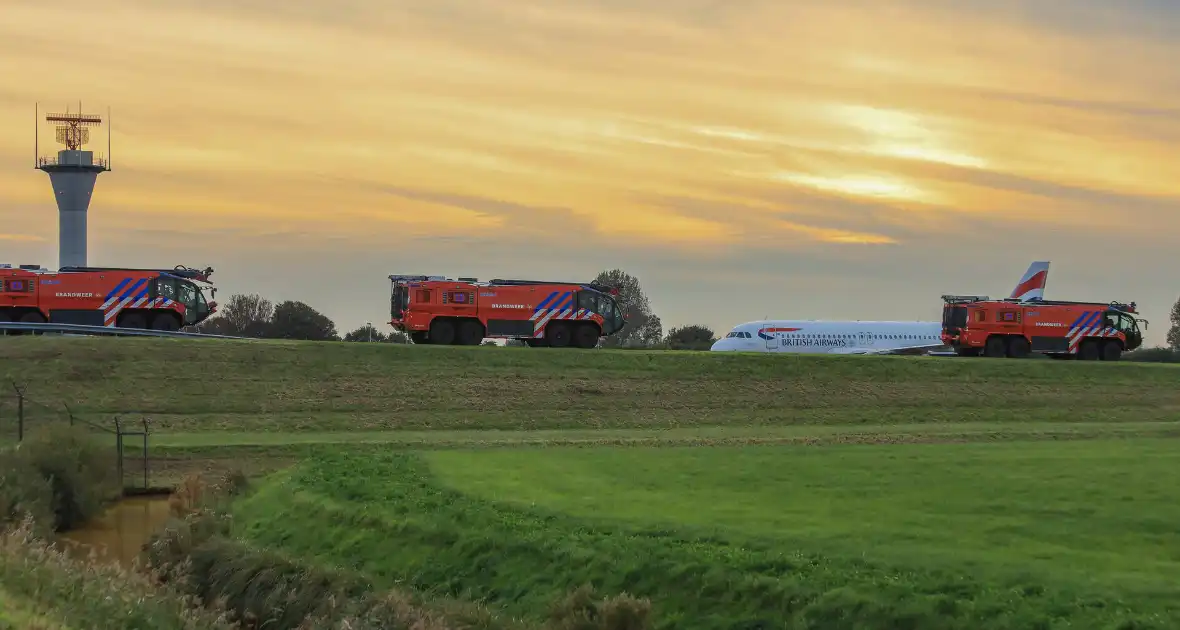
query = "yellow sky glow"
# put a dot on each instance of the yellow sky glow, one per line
(693, 130)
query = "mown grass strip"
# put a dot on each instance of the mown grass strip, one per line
(571, 436)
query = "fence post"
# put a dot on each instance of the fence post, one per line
(20, 413)
(69, 413)
(145, 454)
(119, 451)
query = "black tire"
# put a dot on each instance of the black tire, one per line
(557, 334)
(1112, 351)
(535, 343)
(1088, 351)
(442, 332)
(418, 337)
(586, 336)
(470, 333)
(31, 317)
(996, 346)
(132, 320)
(1018, 347)
(165, 321)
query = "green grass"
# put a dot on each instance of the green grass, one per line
(1013, 535)
(252, 387)
(18, 614)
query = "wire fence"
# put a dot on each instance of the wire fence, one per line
(22, 416)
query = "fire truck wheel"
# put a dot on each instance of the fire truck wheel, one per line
(31, 317)
(442, 332)
(1088, 351)
(1112, 351)
(132, 320)
(557, 334)
(470, 333)
(995, 347)
(1018, 347)
(586, 336)
(165, 322)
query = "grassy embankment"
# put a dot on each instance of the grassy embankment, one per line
(999, 535)
(760, 528)
(271, 395)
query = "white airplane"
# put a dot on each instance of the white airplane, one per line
(857, 337)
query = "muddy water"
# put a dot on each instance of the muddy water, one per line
(119, 533)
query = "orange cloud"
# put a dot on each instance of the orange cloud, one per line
(737, 130)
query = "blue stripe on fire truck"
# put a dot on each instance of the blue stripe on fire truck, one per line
(118, 287)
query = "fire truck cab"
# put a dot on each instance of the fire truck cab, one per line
(978, 325)
(465, 311)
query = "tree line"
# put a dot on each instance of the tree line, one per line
(251, 315)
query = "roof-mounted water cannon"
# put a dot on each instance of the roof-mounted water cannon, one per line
(964, 299)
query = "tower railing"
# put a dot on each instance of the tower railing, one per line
(97, 160)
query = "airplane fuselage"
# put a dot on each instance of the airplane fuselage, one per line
(849, 337)
(831, 337)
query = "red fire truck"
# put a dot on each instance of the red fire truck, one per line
(975, 325)
(160, 299)
(465, 311)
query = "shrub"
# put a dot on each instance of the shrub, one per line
(61, 476)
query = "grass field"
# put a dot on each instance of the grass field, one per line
(189, 386)
(735, 491)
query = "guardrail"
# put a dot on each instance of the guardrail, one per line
(80, 329)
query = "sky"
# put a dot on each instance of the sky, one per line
(744, 159)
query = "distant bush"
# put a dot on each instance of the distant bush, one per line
(1153, 355)
(61, 476)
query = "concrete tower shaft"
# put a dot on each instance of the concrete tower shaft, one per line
(73, 174)
(72, 187)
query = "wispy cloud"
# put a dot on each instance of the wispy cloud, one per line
(888, 135)
(28, 238)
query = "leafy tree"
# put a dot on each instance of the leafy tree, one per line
(246, 315)
(1174, 331)
(643, 327)
(296, 320)
(694, 337)
(366, 333)
(397, 336)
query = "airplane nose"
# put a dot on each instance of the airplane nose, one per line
(721, 344)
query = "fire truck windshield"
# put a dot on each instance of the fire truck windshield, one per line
(604, 305)
(399, 300)
(196, 309)
(1126, 324)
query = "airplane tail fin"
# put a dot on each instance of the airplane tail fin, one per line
(1032, 283)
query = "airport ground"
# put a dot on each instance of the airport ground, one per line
(732, 491)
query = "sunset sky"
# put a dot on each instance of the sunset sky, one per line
(745, 159)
